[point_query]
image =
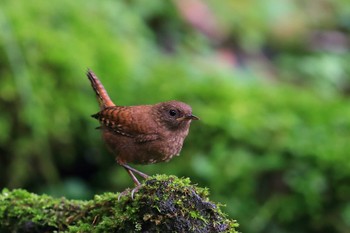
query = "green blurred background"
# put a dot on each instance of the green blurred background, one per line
(270, 81)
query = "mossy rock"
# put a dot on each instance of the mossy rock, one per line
(162, 204)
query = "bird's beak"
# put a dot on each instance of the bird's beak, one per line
(188, 117)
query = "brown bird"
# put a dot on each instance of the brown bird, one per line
(143, 134)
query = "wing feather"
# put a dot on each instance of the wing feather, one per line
(122, 121)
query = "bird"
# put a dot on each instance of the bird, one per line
(141, 134)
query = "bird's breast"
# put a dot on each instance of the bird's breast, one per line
(161, 148)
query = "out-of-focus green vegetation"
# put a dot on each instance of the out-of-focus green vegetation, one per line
(269, 80)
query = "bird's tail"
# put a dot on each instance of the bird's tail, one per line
(101, 93)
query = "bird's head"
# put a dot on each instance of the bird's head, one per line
(174, 114)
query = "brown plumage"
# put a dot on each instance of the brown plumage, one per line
(143, 134)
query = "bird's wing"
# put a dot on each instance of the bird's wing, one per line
(142, 138)
(121, 120)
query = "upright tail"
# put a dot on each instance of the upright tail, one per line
(101, 93)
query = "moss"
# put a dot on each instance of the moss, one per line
(21, 211)
(162, 204)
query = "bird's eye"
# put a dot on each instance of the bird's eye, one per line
(172, 112)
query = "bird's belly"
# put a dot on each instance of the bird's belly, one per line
(127, 150)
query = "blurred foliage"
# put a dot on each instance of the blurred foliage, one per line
(269, 80)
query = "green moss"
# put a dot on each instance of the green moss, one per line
(162, 204)
(21, 211)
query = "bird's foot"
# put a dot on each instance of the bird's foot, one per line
(127, 191)
(136, 189)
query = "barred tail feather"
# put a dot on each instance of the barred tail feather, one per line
(102, 96)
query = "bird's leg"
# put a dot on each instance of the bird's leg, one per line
(127, 167)
(133, 177)
(130, 171)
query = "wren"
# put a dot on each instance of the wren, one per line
(143, 134)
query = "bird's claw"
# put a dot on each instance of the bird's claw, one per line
(133, 191)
